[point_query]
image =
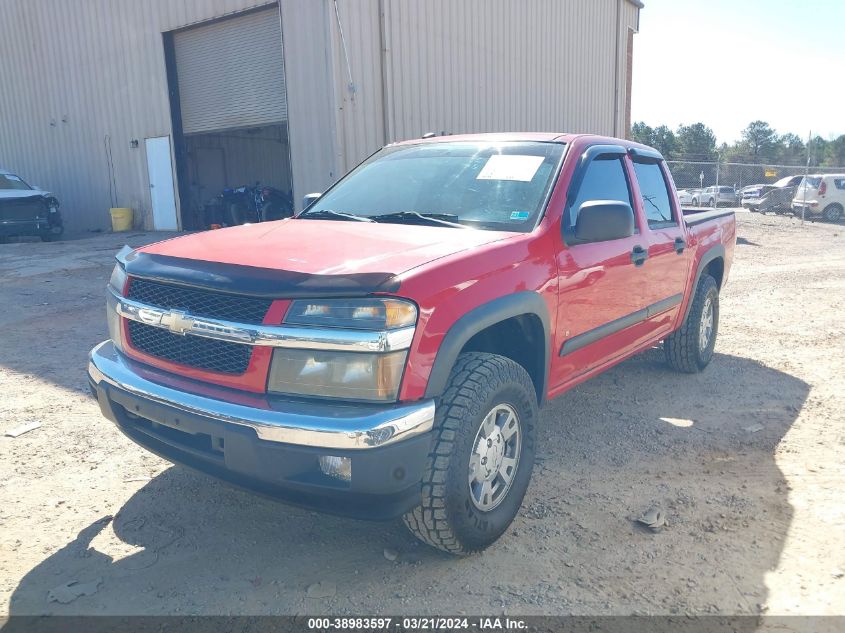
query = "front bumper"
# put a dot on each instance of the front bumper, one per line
(10, 228)
(267, 444)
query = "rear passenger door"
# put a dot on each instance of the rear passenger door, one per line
(665, 270)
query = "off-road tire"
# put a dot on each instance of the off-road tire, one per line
(446, 518)
(682, 348)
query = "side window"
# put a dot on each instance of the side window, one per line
(604, 179)
(655, 195)
(839, 183)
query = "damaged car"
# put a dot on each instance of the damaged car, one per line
(27, 210)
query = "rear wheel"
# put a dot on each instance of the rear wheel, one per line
(832, 212)
(481, 458)
(710, 202)
(689, 349)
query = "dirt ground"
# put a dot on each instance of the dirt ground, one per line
(747, 459)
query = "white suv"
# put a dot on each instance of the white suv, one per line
(714, 196)
(821, 194)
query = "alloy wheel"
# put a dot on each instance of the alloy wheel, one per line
(495, 457)
(705, 327)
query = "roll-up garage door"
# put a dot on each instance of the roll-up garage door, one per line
(231, 73)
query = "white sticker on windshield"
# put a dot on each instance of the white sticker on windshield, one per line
(510, 167)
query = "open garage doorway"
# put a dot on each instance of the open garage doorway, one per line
(229, 110)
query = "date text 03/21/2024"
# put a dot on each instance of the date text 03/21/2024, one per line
(417, 623)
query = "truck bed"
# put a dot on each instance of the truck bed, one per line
(696, 216)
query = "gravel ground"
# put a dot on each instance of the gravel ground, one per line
(746, 459)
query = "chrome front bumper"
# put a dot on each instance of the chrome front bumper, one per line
(344, 426)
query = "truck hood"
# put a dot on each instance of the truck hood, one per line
(17, 194)
(325, 247)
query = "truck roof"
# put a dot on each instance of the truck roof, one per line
(494, 137)
(542, 137)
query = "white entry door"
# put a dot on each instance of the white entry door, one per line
(160, 171)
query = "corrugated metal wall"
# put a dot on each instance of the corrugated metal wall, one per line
(78, 73)
(357, 60)
(479, 66)
(311, 98)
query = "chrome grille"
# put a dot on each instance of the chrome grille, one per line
(193, 351)
(199, 302)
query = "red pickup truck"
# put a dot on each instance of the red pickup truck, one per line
(385, 352)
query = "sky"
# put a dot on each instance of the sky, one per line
(729, 62)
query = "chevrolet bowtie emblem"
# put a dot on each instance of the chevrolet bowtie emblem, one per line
(177, 321)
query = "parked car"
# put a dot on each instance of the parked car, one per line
(27, 210)
(776, 197)
(753, 192)
(686, 196)
(822, 194)
(715, 196)
(399, 372)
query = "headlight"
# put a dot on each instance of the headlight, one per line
(348, 375)
(118, 279)
(117, 282)
(362, 314)
(353, 375)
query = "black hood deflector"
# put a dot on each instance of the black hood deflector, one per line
(252, 280)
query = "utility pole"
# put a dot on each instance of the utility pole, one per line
(806, 173)
(716, 195)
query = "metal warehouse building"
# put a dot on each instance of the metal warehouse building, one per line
(161, 104)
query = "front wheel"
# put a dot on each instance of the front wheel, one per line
(52, 234)
(481, 457)
(689, 349)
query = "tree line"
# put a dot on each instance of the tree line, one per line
(759, 143)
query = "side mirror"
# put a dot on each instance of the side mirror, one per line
(602, 220)
(309, 199)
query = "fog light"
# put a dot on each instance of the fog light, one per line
(336, 467)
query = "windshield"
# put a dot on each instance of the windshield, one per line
(10, 181)
(496, 186)
(812, 181)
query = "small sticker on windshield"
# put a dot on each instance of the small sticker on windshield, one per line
(510, 167)
(519, 216)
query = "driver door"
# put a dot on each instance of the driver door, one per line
(601, 285)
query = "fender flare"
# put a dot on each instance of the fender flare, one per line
(714, 252)
(480, 318)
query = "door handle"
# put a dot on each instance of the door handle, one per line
(680, 245)
(639, 255)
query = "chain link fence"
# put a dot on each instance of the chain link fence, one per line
(695, 179)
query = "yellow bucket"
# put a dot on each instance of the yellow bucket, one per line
(121, 219)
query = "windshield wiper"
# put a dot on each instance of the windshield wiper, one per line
(439, 219)
(339, 215)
